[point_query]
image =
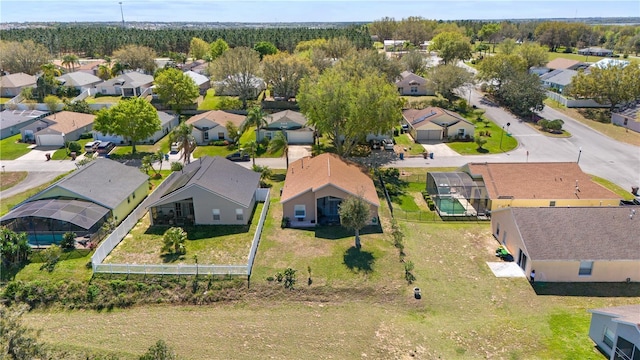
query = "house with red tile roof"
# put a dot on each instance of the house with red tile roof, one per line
(315, 187)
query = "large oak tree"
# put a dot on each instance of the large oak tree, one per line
(134, 119)
(175, 89)
(611, 85)
(238, 69)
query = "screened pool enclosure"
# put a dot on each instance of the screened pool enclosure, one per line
(457, 194)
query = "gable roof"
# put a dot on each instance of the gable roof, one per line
(68, 121)
(313, 173)
(287, 116)
(219, 117)
(411, 77)
(626, 314)
(165, 117)
(560, 77)
(102, 181)
(578, 233)
(9, 118)
(17, 80)
(78, 78)
(131, 79)
(535, 180)
(422, 117)
(217, 175)
(199, 79)
(561, 63)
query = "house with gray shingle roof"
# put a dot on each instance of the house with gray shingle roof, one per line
(128, 84)
(203, 82)
(616, 331)
(434, 123)
(572, 244)
(167, 123)
(294, 125)
(80, 202)
(79, 80)
(11, 85)
(11, 121)
(207, 191)
(558, 79)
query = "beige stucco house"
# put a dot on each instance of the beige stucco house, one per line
(411, 84)
(572, 244)
(535, 184)
(60, 127)
(80, 202)
(434, 124)
(315, 187)
(212, 125)
(129, 84)
(11, 85)
(616, 331)
(208, 191)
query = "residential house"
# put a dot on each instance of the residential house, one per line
(60, 127)
(572, 244)
(435, 124)
(294, 125)
(595, 51)
(167, 123)
(89, 66)
(129, 84)
(558, 80)
(199, 66)
(201, 81)
(628, 118)
(534, 184)
(394, 45)
(413, 85)
(315, 186)
(212, 126)
(79, 80)
(223, 88)
(11, 85)
(80, 202)
(208, 191)
(607, 63)
(616, 331)
(566, 64)
(27, 132)
(11, 121)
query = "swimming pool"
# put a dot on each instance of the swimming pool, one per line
(449, 206)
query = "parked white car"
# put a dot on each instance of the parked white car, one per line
(387, 144)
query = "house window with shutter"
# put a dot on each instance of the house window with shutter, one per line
(216, 214)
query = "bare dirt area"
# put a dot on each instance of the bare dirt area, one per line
(10, 179)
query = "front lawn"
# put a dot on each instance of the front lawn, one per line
(4, 100)
(498, 139)
(406, 141)
(213, 244)
(11, 148)
(107, 99)
(211, 150)
(10, 179)
(64, 154)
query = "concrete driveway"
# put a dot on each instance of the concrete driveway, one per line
(298, 151)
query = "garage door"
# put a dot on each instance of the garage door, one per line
(300, 137)
(49, 140)
(428, 135)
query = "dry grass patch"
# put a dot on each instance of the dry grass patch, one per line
(10, 179)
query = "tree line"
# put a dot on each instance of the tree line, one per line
(100, 41)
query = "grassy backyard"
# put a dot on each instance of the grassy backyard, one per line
(11, 148)
(103, 99)
(498, 139)
(213, 102)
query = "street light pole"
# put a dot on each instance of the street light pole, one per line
(579, 153)
(502, 133)
(121, 13)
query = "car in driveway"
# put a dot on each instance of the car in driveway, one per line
(387, 144)
(105, 147)
(238, 156)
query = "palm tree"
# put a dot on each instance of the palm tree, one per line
(118, 68)
(252, 148)
(255, 117)
(182, 134)
(174, 239)
(279, 142)
(69, 61)
(104, 72)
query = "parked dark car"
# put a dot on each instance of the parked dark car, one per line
(105, 147)
(238, 156)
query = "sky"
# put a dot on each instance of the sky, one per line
(306, 10)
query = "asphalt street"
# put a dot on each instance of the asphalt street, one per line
(597, 154)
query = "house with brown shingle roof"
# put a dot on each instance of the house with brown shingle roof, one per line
(212, 125)
(413, 85)
(11, 85)
(562, 63)
(572, 244)
(434, 123)
(536, 184)
(63, 126)
(315, 187)
(616, 330)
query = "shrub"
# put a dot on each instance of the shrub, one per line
(51, 256)
(86, 135)
(68, 241)
(176, 166)
(74, 146)
(219, 143)
(290, 278)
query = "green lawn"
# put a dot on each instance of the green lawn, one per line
(213, 102)
(220, 245)
(162, 144)
(624, 194)
(62, 154)
(4, 100)
(11, 149)
(210, 150)
(72, 265)
(498, 140)
(407, 142)
(103, 99)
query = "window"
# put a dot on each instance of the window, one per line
(205, 135)
(299, 211)
(626, 121)
(608, 337)
(239, 214)
(498, 229)
(585, 268)
(552, 203)
(461, 132)
(401, 90)
(220, 136)
(178, 208)
(414, 89)
(216, 214)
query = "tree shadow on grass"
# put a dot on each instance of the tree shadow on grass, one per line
(357, 260)
(171, 257)
(482, 150)
(337, 232)
(591, 289)
(201, 231)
